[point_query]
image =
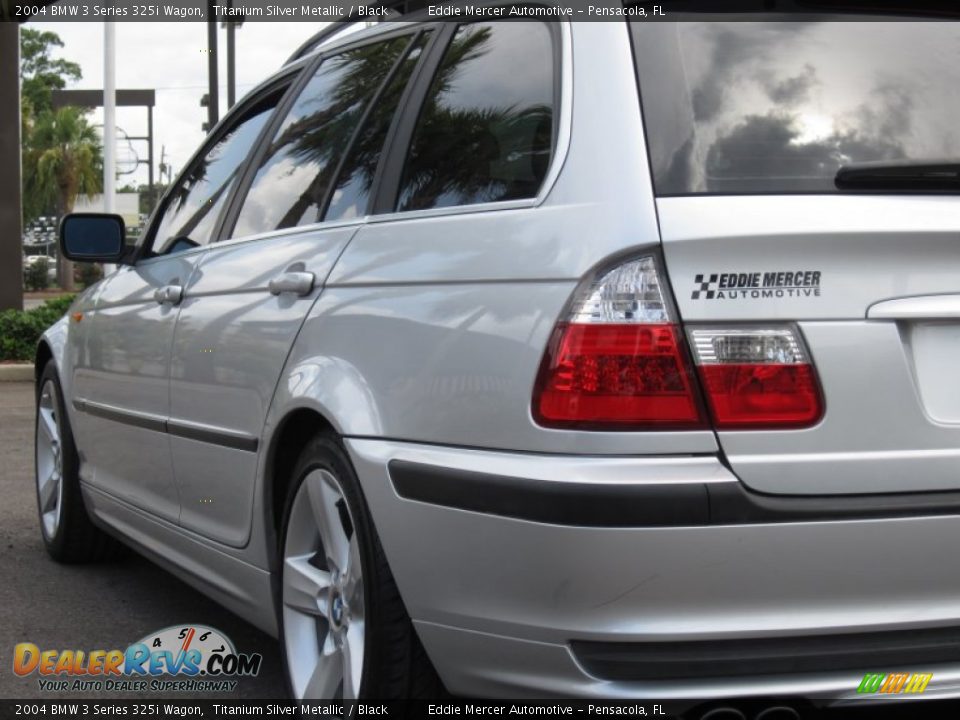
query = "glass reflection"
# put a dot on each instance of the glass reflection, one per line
(291, 185)
(486, 130)
(781, 106)
(196, 202)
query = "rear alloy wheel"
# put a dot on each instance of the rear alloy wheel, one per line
(68, 533)
(323, 592)
(345, 632)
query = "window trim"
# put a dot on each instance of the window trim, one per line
(288, 78)
(398, 143)
(563, 54)
(312, 65)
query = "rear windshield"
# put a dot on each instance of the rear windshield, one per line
(779, 107)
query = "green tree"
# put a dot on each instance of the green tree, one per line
(41, 74)
(63, 160)
(62, 155)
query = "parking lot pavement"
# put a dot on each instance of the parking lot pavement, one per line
(93, 607)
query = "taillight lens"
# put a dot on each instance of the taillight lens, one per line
(618, 361)
(757, 378)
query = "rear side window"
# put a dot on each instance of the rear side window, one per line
(291, 185)
(485, 132)
(195, 203)
(779, 107)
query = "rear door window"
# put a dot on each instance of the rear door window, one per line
(779, 107)
(291, 185)
(485, 132)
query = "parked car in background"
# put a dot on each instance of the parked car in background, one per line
(597, 359)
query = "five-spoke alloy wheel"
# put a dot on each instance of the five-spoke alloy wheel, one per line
(345, 632)
(323, 598)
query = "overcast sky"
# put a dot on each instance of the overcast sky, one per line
(170, 58)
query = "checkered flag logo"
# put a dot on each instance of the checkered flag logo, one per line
(705, 288)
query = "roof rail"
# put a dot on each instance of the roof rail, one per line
(397, 9)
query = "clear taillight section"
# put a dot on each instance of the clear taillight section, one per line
(618, 361)
(757, 378)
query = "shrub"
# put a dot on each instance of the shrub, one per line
(20, 330)
(88, 273)
(35, 276)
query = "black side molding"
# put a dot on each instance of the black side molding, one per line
(586, 504)
(159, 424)
(558, 503)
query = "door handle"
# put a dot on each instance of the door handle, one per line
(172, 294)
(295, 282)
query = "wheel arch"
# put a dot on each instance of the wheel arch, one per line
(42, 356)
(293, 432)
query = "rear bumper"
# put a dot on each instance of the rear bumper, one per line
(515, 607)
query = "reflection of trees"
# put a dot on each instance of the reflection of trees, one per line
(466, 153)
(319, 138)
(460, 149)
(361, 165)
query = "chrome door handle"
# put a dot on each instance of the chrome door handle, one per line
(294, 282)
(172, 294)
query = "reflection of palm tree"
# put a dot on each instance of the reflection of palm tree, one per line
(320, 138)
(456, 150)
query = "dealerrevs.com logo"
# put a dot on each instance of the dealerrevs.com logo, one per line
(757, 285)
(199, 658)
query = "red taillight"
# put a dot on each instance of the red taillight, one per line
(757, 378)
(631, 376)
(618, 361)
(762, 397)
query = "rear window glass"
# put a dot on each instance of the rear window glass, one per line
(779, 107)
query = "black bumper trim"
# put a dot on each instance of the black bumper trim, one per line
(645, 505)
(558, 503)
(884, 651)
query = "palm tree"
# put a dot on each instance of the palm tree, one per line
(62, 160)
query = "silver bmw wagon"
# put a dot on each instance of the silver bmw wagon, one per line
(596, 359)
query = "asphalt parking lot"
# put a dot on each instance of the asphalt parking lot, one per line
(90, 607)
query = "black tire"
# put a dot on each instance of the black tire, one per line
(395, 663)
(76, 539)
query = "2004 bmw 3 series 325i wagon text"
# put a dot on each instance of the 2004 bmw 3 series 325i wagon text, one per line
(541, 358)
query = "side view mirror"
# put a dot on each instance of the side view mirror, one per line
(93, 237)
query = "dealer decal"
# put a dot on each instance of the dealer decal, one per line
(198, 657)
(758, 285)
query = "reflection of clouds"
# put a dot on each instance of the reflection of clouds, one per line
(264, 208)
(792, 90)
(765, 147)
(792, 102)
